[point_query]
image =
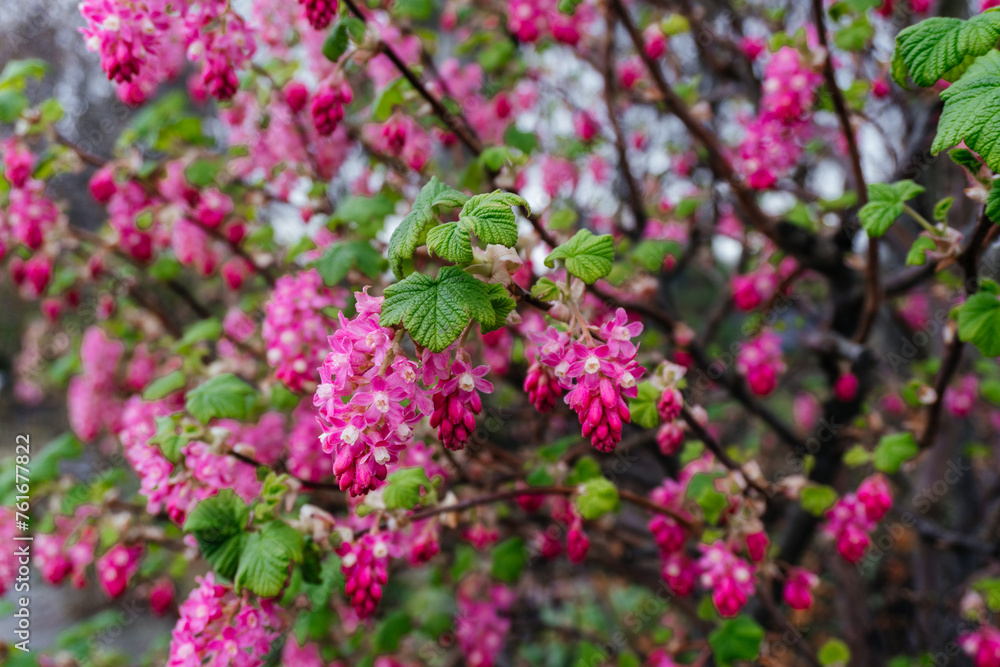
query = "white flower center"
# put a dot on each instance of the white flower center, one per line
(592, 365)
(466, 382)
(381, 455)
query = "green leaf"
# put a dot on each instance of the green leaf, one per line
(917, 256)
(346, 255)
(391, 630)
(598, 497)
(218, 524)
(586, 468)
(857, 456)
(509, 559)
(436, 310)
(364, 212)
(928, 50)
(522, 141)
(990, 391)
(587, 257)
(885, 204)
(266, 557)
(502, 304)
(403, 488)
(736, 639)
(492, 217)
(387, 98)
(167, 439)
(16, 73)
(202, 172)
(452, 241)
(969, 113)
(336, 42)
(993, 204)
(834, 652)
(45, 465)
(963, 157)
(164, 386)
(855, 36)
(12, 103)
(405, 239)
(210, 329)
(494, 157)
(702, 490)
(894, 450)
(545, 289)
(942, 207)
(818, 498)
(979, 322)
(643, 407)
(224, 396)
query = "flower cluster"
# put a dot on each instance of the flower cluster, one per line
(368, 398)
(91, 397)
(729, 577)
(760, 362)
(482, 621)
(217, 625)
(116, 567)
(799, 585)
(982, 645)
(365, 564)
(295, 328)
(529, 20)
(854, 516)
(773, 141)
(127, 33)
(456, 400)
(597, 378)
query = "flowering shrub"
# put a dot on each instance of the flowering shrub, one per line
(562, 333)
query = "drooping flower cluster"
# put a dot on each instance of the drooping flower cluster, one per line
(328, 107)
(729, 577)
(126, 33)
(799, 585)
(596, 377)
(773, 140)
(220, 41)
(368, 398)
(456, 400)
(854, 516)
(217, 625)
(116, 567)
(295, 328)
(482, 621)
(529, 20)
(365, 564)
(69, 549)
(319, 13)
(90, 399)
(760, 362)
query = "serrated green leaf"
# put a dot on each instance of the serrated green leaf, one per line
(267, 555)
(403, 488)
(942, 207)
(979, 322)
(405, 239)
(492, 217)
(586, 256)
(509, 559)
(598, 497)
(451, 241)
(928, 50)
(818, 498)
(885, 205)
(164, 386)
(545, 289)
(917, 256)
(736, 639)
(209, 329)
(502, 305)
(167, 439)
(435, 311)
(969, 111)
(963, 157)
(894, 450)
(218, 524)
(224, 396)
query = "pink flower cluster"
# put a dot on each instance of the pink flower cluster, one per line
(219, 39)
(91, 396)
(365, 564)
(127, 33)
(402, 137)
(529, 20)
(960, 398)
(295, 328)
(982, 645)
(729, 577)
(328, 107)
(760, 362)
(224, 629)
(30, 219)
(678, 569)
(319, 13)
(799, 585)
(368, 398)
(596, 377)
(854, 516)
(753, 288)
(116, 567)
(456, 400)
(773, 141)
(482, 621)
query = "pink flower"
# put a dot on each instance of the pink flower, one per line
(116, 567)
(799, 585)
(982, 645)
(365, 564)
(320, 13)
(846, 387)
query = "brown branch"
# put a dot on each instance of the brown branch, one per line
(713, 446)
